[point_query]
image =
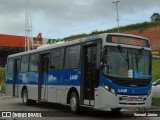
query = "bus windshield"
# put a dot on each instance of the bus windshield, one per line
(127, 62)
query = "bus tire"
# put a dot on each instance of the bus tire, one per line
(74, 103)
(25, 99)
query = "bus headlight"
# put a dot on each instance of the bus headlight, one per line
(108, 88)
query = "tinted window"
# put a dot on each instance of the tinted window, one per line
(33, 66)
(57, 59)
(127, 64)
(10, 65)
(24, 63)
(72, 57)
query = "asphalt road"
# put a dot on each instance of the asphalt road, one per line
(61, 112)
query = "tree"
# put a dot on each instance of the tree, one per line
(94, 32)
(155, 17)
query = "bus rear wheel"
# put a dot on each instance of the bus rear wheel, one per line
(74, 103)
(25, 96)
(25, 99)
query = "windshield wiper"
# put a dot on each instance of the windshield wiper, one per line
(140, 53)
(138, 56)
(124, 54)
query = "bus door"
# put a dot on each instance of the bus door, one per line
(16, 70)
(90, 74)
(43, 80)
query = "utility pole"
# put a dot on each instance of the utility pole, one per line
(117, 14)
(28, 28)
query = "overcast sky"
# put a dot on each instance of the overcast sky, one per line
(61, 18)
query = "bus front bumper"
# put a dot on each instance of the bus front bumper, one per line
(108, 100)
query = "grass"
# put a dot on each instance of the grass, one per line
(3, 87)
(155, 70)
(156, 101)
(155, 76)
(138, 26)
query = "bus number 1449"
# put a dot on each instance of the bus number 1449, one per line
(73, 77)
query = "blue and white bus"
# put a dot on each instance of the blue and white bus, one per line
(105, 71)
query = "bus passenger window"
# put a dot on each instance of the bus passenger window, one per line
(33, 66)
(72, 57)
(10, 66)
(24, 63)
(57, 59)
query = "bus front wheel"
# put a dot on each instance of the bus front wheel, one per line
(74, 102)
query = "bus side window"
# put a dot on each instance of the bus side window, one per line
(24, 63)
(10, 66)
(57, 59)
(72, 56)
(33, 64)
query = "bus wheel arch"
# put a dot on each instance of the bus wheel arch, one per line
(71, 90)
(24, 87)
(24, 94)
(73, 100)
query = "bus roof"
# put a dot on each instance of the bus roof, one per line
(62, 44)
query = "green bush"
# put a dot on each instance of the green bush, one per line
(2, 79)
(156, 101)
(76, 36)
(155, 70)
(138, 26)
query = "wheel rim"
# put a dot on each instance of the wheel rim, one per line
(24, 97)
(73, 104)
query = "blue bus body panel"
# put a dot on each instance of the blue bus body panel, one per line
(72, 77)
(53, 77)
(9, 78)
(33, 78)
(64, 77)
(124, 90)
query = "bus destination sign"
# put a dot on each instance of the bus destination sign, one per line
(127, 40)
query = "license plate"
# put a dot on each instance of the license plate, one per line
(132, 99)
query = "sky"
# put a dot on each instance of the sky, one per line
(62, 18)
